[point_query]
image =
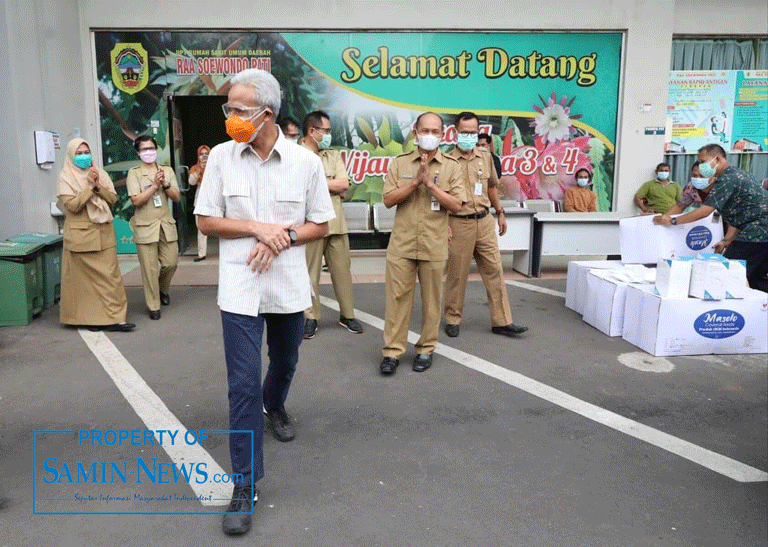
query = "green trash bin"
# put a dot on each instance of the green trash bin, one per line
(53, 244)
(21, 282)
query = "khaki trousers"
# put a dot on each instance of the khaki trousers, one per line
(475, 238)
(158, 264)
(401, 274)
(335, 248)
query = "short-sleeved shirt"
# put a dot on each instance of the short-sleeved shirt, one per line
(421, 229)
(334, 169)
(286, 188)
(691, 196)
(661, 197)
(580, 200)
(742, 202)
(148, 219)
(478, 174)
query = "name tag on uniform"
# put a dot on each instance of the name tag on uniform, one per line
(407, 176)
(478, 188)
(156, 200)
(435, 204)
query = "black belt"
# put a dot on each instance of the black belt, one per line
(473, 216)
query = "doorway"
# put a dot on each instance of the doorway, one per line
(197, 121)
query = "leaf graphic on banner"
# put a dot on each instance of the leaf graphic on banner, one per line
(365, 131)
(384, 134)
(599, 176)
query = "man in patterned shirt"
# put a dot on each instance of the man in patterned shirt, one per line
(743, 203)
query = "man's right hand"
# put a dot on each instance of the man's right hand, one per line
(274, 236)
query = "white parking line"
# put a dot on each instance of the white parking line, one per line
(156, 416)
(694, 453)
(534, 288)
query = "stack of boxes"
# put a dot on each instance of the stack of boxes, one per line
(693, 302)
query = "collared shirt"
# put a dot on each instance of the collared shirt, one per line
(149, 219)
(661, 197)
(580, 200)
(334, 169)
(478, 174)
(421, 228)
(743, 203)
(286, 188)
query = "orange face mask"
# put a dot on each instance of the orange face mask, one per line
(242, 131)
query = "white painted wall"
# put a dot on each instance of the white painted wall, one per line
(45, 48)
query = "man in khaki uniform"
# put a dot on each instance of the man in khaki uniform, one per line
(425, 185)
(473, 234)
(335, 245)
(154, 230)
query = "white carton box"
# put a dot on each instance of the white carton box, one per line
(673, 326)
(708, 279)
(576, 284)
(673, 277)
(604, 308)
(736, 280)
(643, 242)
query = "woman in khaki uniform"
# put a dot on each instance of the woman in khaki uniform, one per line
(154, 230)
(92, 291)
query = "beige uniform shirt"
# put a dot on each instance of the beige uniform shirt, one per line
(478, 174)
(421, 224)
(334, 169)
(149, 219)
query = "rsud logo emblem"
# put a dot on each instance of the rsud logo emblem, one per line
(719, 324)
(698, 238)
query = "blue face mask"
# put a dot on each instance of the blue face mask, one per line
(706, 169)
(663, 175)
(699, 182)
(582, 182)
(83, 161)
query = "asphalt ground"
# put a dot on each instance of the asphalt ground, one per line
(448, 457)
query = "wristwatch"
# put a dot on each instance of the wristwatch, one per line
(293, 236)
(673, 221)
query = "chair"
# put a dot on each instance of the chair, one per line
(383, 218)
(358, 215)
(540, 205)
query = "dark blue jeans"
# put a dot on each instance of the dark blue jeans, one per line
(242, 351)
(756, 256)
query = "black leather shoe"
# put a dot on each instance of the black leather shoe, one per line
(237, 519)
(310, 329)
(154, 314)
(509, 330)
(388, 365)
(96, 328)
(352, 325)
(422, 362)
(120, 327)
(165, 299)
(198, 259)
(452, 330)
(280, 425)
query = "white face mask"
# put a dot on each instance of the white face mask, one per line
(428, 142)
(148, 156)
(582, 182)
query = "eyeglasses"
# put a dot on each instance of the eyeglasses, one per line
(468, 133)
(323, 130)
(242, 112)
(148, 148)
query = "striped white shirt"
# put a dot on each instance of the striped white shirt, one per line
(288, 187)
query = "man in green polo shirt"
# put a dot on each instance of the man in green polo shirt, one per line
(660, 194)
(743, 203)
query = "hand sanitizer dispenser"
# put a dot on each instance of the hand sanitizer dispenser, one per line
(44, 149)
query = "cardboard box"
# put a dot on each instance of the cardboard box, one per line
(673, 326)
(708, 279)
(604, 307)
(673, 277)
(643, 242)
(736, 281)
(576, 283)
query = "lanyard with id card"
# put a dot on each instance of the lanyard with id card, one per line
(479, 185)
(435, 205)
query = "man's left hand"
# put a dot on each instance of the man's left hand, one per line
(502, 225)
(261, 258)
(664, 220)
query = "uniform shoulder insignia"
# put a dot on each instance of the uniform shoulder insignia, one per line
(404, 154)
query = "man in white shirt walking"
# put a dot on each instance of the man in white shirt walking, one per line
(263, 197)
